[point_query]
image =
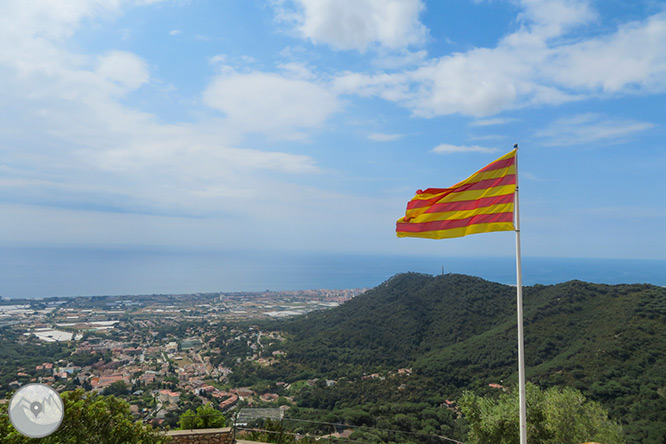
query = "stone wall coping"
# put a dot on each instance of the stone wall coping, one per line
(190, 432)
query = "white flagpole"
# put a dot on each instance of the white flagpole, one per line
(519, 302)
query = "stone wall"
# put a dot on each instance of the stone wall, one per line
(223, 435)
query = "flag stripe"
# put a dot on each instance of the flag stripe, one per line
(459, 232)
(456, 223)
(488, 183)
(466, 205)
(509, 159)
(455, 215)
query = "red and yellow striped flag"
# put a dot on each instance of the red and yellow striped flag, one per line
(479, 204)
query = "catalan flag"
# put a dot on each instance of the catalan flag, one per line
(479, 204)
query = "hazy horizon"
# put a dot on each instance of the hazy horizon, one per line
(44, 272)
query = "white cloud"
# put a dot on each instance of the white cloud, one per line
(358, 24)
(632, 59)
(200, 150)
(491, 122)
(551, 18)
(481, 82)
(174, 32)
(218, 59)
(392, 87)
(379, 137)
(450, 149)
(478, 83)
(123, 68)
(298, 70)
(86, 149)
(267, 102)
(591, 128)
(529, 67)
(50, 19)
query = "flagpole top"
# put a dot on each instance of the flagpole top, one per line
(515, 146)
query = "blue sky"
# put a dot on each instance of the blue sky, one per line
(307, 125)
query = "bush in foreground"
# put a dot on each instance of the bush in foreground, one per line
(205, 417)
(89, 418)
(554, 416)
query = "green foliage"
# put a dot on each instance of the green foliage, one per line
(24, 353)
(84, 359)
(89, 418)
(365, 329)
(456, 333)
(554, 416)
(459, 333)
(119, 388)
(205, 417)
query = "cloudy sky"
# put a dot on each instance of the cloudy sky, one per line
(306, 125)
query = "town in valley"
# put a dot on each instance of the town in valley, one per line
(164, 354)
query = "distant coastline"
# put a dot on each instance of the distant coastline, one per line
(69, 272)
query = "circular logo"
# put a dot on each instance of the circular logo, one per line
(36, 410)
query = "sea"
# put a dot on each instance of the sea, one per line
(67, 272)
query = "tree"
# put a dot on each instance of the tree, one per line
(554, 416)
(205, 417)
(89, 418)
(117, 388)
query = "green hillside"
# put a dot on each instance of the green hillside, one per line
(459, 332)
(401, 320)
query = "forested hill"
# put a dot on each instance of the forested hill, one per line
(401, 320)
(458, 332)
